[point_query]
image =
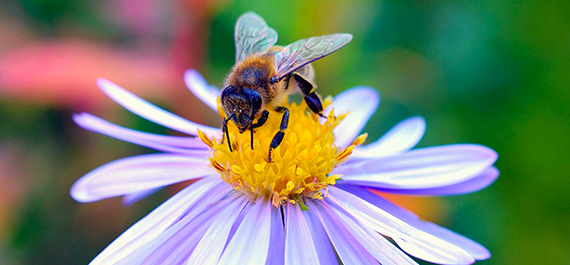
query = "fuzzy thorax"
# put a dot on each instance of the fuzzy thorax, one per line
(300, 166)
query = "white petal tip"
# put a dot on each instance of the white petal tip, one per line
(86, 121)
(198, 85)
(479, 152)
(365, 91)
(109, 88)
(79, 193)
(104, 84)
(194, 78)
(191, 73)
(79, 118)
(419, 120)
(482, 255)
(76, 117)
(418, 124)
(492, 156)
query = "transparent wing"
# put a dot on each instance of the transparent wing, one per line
(303, 52)
(252, 35)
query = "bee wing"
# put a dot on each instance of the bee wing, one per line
(305, 51)
(252, 35)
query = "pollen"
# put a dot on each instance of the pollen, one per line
(300, 166)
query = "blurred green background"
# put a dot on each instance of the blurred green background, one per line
(490, 72)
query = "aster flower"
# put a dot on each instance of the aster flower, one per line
(310, 205)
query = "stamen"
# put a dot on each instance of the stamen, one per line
(205, 139)
(343, 155)
(217, 165)
(300, 165)
(360, 139)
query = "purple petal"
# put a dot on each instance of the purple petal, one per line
(94, 123)
(158, 142)
(175, 245)
(378, 246)
(276, 255)
(156, 222)
(129, 199)
(348, 249)
(200, 88)
(133, 174)
(361, 103)
(210, 247)
(238, 221)
(250, 243)
(410, 239)
(151, 112)
(473, 184)
(323, 245)
(299, 246)
(403, 137)
(163, 249)
(473, 248)
(421, 168)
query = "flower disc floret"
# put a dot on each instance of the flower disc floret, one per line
(299, 166)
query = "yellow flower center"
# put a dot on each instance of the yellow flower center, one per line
(299, 166)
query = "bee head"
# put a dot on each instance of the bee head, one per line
(241, 105)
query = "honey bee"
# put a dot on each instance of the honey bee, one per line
(264, 74)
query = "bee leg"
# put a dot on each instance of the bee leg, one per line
(312, 99)
(251, 137)
(262, 119)
(250, 129)
(281, 133)
(227, 133)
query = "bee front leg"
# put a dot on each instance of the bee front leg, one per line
(278, 138)
(312, 99)
(262, 119)
(226, 132)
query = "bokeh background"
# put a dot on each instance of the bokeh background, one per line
(489, 72)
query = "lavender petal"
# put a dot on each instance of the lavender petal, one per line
(133, 174)
(473, 248)
(360, 103)
(421, 168)
(175, 245)
(155, 222)
(276, 254)
(478, 182)
(250, 243)
(378, 246)
(200, 88)
(346, 246)
(209, 249)
(158, 142)
(403, 137)
(151, 112)
(323, 245)
(299, 246)
(412, 240)
(132, 198)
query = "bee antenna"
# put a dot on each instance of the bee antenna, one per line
(227, 132)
